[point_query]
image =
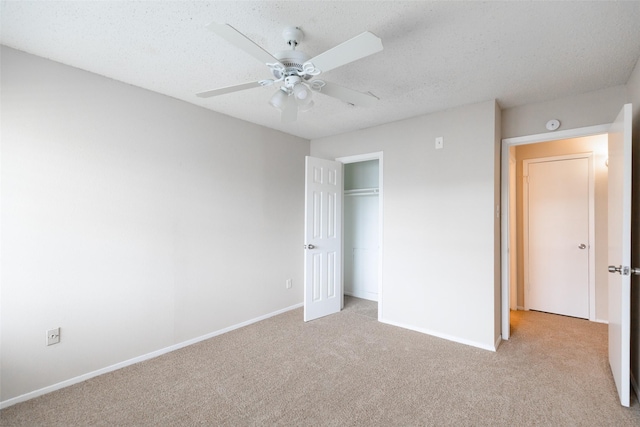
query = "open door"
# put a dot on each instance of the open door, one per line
(620, 252)
(323, 238)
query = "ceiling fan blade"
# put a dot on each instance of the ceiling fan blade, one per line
(228, 89)
(241, 41)
(347, 95)
(356, 48)
(290, 111)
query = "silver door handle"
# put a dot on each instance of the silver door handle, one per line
(309, 247)
(624, 270)
(582, 246)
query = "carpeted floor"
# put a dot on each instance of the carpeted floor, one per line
(350, 370)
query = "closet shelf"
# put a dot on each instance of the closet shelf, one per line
(362, 192)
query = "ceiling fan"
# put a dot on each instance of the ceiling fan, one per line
(296, 70)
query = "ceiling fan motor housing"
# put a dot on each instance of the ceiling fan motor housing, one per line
(293, 61)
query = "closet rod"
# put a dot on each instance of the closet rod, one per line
(362, 192)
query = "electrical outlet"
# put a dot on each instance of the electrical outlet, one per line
(53, 336)
(439, 142)
(288, 284)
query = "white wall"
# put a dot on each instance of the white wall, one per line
(133, 221)
(588, 109)
(439, 229)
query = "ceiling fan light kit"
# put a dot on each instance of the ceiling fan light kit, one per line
(279, 99)
(302, 93)
(295, 70)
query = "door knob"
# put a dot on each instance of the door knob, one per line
(624, 270)
(582, 246)
(309, 247)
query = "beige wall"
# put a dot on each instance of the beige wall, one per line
(134, 222)
(598, 146)
(439, 267)
(588, 109)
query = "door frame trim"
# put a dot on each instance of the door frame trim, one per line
(591, 225)
(378, 155)
(507, 143)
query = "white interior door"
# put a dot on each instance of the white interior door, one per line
(323, 238)
(620, 252)
(557, 232)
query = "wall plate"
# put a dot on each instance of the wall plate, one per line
(53, 336)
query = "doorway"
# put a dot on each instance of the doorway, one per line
(362, 227)
(591, 139)
(361, 240)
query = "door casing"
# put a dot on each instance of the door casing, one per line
(507, 143)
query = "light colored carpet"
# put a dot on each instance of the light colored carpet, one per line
(350, 370)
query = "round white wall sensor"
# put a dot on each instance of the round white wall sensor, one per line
(553, 124)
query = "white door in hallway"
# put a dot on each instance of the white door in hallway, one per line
(557, 232)
(323, 238)
(619, 255)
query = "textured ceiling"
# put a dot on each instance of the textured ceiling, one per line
(437, 55)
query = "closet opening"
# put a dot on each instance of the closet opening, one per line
(362, 228)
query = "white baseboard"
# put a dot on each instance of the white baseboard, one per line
(154, 354)
(363, 295)
(521, 308)
(601, 321)
(441, 335)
